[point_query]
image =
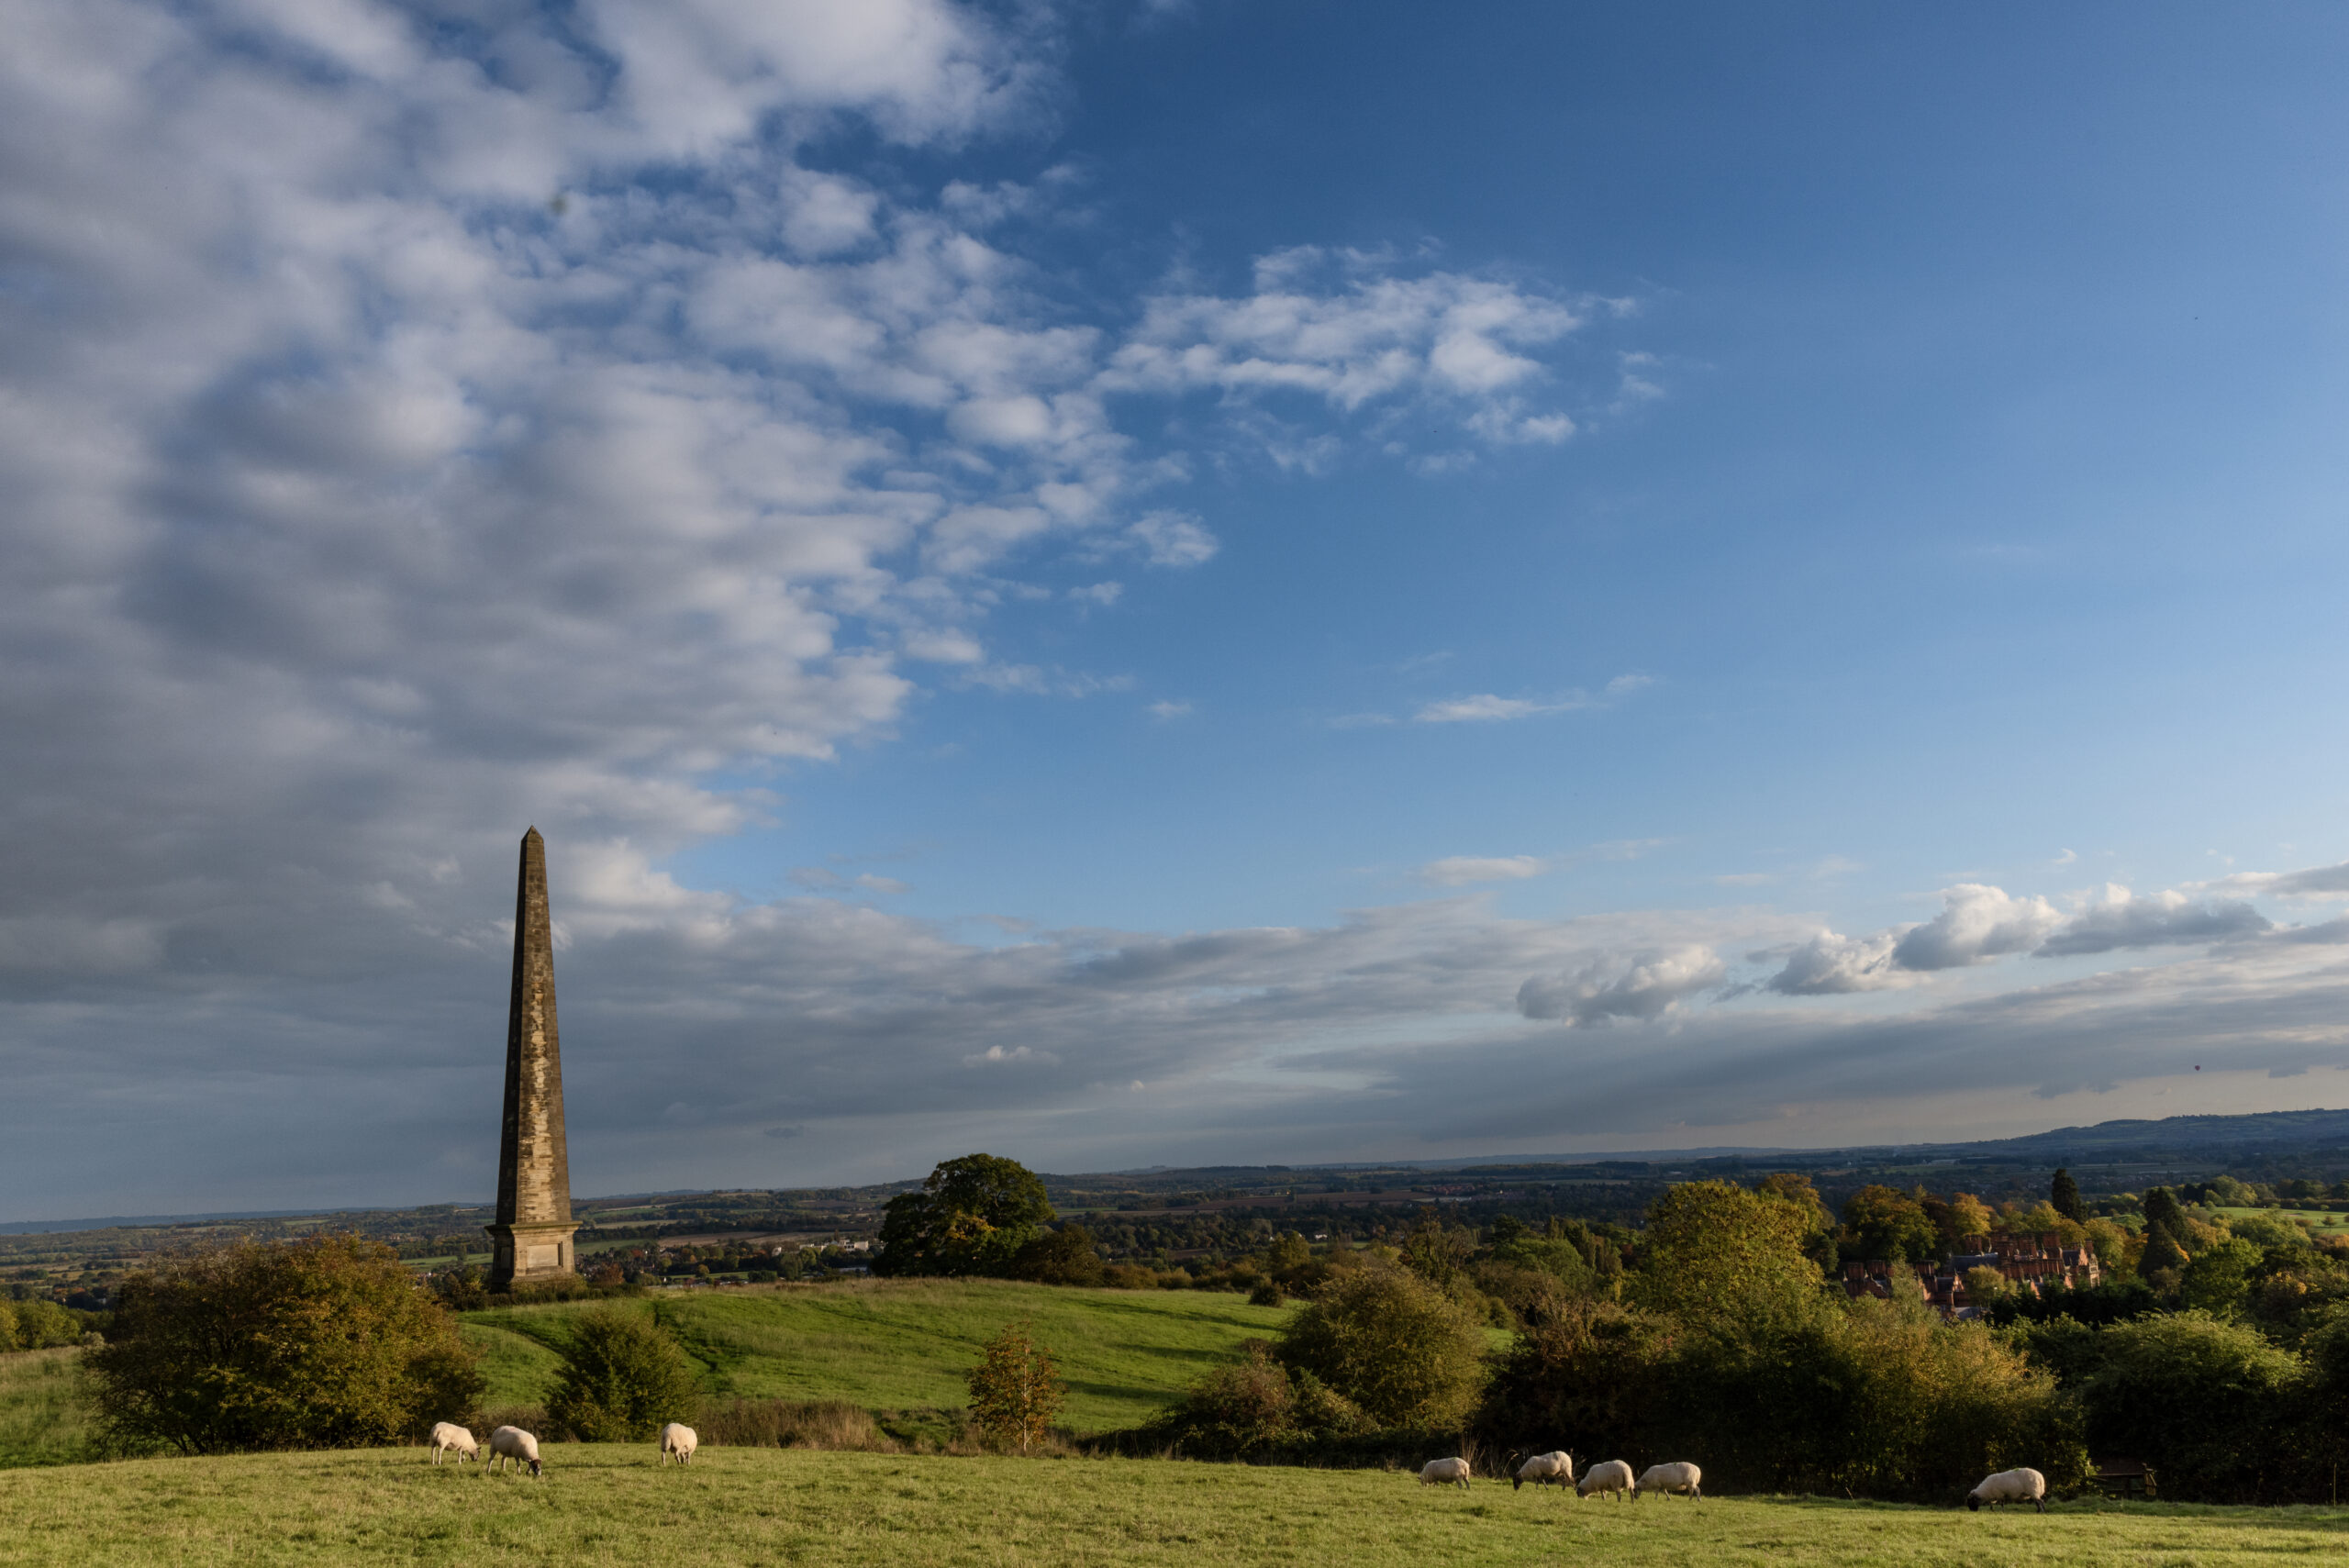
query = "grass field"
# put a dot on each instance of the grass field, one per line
(43, 1420)
(612, 1505)
(906, 1344)
(2329, 1222)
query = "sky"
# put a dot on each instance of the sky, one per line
(1159, 583)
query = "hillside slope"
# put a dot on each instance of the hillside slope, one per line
(902, 1344)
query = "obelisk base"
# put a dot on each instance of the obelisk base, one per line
(526, 1254)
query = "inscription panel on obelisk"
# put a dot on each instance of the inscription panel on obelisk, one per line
(531, 1239)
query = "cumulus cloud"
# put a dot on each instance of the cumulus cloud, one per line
(2117, 918)
(1977, 923)
(1643, 987)
(1833, 965)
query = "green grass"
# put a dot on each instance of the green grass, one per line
(43, 1418)
(906, 1344)
(609, 1507)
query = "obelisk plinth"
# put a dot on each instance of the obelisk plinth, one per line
(531, 1239)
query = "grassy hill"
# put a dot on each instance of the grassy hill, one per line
(614, 1508)
(888, 1345)
(905, 1344)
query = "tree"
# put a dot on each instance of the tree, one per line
(1968, 1217)
(2195, 1398)
(326, 1342)
(2064, 1193)
(1064, 1256)
(1984, 1285)
(972, 1216)
(2163, 1208)
(621, 1378)
(2163, 1255)
(1015, 1389)
(2218, 1278)
(1717, 1254)
(1882, 1223)
(1394, 1345)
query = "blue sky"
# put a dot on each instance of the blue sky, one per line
(1158, 584)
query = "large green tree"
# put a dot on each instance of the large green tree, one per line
(1879, 1223)
(1717, 1254)
(972, 1216)
(1401, 1350)
(326, 1342)
(622, 1376)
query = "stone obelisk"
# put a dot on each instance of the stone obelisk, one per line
(531, 1239)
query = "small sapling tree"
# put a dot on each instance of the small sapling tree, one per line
(1015, 1390)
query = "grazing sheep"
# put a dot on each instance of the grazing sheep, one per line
(514, 1443)
(454, 1438)
(1445, 1473)
(1552, 1469)
(1671, 1478)
(2024, 1485)
(1611, 1478)
(678, 1438)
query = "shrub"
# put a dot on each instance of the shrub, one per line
(1015, 1390)
(1395, 1345)
(1258, 1405)
(325, 1342)
(1267, 1293)
(1594, 1372)
(621, 1378)
(830, 1424)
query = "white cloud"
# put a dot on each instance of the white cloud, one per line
(2117, 918)
(1167, 707)
(1173, 539)
(1830, 966)
(1643, 987)
(1458, 871)
(2316, 882)
(1977, 923)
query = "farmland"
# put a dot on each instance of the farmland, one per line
(613, 1505)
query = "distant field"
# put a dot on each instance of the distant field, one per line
(905, 1344)
(613, 1507)
(2329, 1222)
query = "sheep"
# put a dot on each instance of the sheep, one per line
(1552, 1469)
(2024, 1485)
(1611, 1478)
(1445, 1473)
(454, 1438)
(1670, 1478)
(680, 1440)
(514, 1443)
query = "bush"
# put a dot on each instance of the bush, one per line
(621, 1378)
(326, 1342)
(1594, 1372)
(1253, 1409)
(830, 1424)
(2198, 1400)
(1395, 1345)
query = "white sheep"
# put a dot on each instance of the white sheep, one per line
(447, 1436)
(1445, 1473)
(514, 1443)
(1552, 1469)
(1671, 1478)
(1611, 1478)
(2024, 1485)
(680, 1440)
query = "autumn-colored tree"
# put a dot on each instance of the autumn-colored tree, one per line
(1016, 1389)
(326, 1342)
